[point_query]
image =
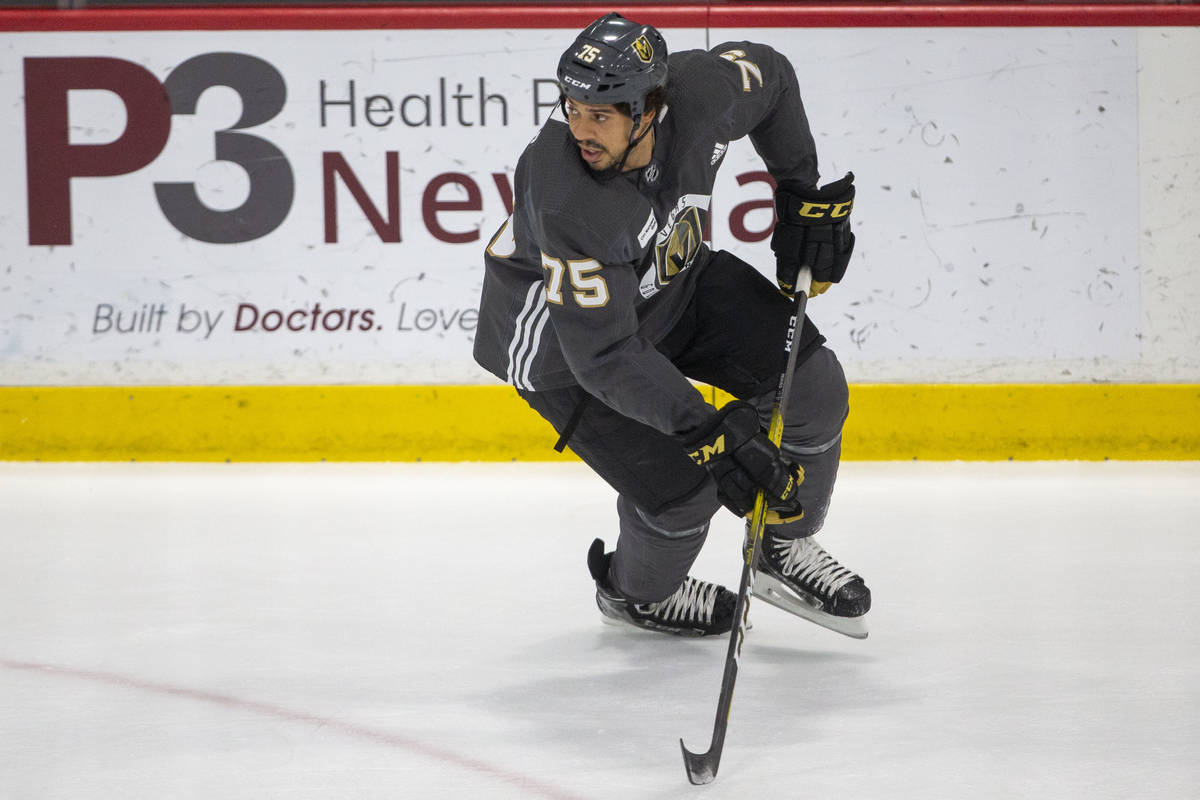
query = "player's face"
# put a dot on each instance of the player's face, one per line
(601, 131)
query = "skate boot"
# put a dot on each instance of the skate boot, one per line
(798, 576)
(697, 608)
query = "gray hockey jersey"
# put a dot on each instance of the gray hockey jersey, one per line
(587, 275)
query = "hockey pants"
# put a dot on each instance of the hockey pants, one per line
(665, 501)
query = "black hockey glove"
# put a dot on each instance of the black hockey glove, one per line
(813, 231)
(742, 460)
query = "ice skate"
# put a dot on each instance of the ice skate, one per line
(798, 576)
(697, 608)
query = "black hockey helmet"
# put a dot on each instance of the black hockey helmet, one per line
(614, 60)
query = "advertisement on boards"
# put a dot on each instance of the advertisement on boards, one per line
(297, 207)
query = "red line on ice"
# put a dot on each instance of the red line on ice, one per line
(396, 740)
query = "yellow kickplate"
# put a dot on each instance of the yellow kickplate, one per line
(491, 423)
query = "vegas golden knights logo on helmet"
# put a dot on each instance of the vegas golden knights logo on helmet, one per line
(642, 47)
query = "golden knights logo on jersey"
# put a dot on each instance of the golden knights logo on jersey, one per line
(676, 253)
(679, 240)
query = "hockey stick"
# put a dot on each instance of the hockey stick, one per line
(702, 767)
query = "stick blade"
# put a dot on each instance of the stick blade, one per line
(701, 767)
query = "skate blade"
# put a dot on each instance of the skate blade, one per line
(629, 626)
(770, 590)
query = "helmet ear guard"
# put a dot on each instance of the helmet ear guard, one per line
(614, 60)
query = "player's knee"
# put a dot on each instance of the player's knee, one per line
(819, 403)
(686, 516)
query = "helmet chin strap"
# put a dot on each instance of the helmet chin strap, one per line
(616, 169)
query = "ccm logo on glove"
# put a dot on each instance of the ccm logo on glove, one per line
(824, 211)
(708, 452)
(743, 461)
(813, 231)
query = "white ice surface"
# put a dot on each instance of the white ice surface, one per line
(428, 631)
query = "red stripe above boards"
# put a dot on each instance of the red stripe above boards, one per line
(485, 16)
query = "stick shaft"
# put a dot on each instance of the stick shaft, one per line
(702, 767)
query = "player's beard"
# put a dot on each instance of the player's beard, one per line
(609, 165)
(604, 162)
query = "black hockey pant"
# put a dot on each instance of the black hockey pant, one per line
(731, 337)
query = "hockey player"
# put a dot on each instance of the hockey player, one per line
(601, 300)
